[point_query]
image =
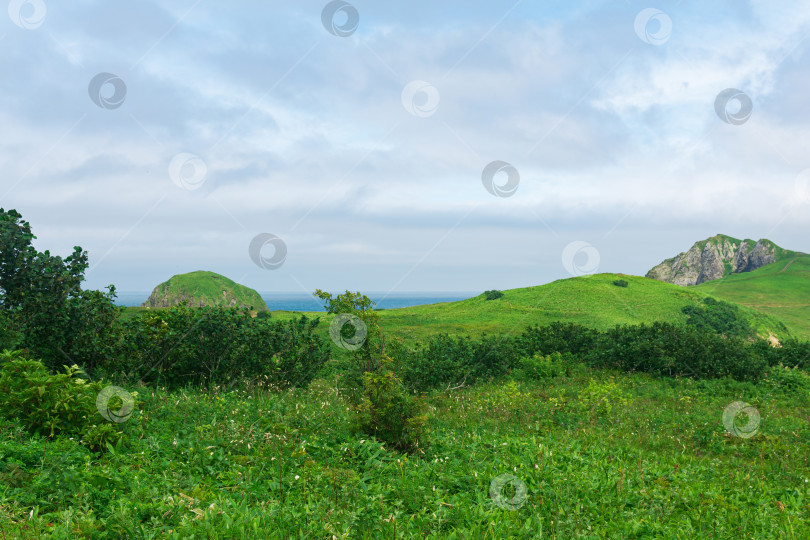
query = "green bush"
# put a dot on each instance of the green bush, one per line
(720, 317)
(493, 294)
(620, 283)
(62, 404)
(788, 380)
(215, 345)
(388, 413)
(599, 398)
(540, 367)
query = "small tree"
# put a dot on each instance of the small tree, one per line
(383, 405)
(371, 354)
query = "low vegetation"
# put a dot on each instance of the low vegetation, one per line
(210, 423)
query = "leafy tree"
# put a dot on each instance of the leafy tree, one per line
(42, 302)
(372, 352)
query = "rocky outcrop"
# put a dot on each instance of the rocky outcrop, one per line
(198, 289)
(715, 258)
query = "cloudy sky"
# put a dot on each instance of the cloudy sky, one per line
(350, 144)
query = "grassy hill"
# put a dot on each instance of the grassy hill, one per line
(781, 289)
(203, 288)
(592, 301)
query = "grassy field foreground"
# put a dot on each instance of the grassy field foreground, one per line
(600, 455)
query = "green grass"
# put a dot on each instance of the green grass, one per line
(601, 456)
(781, 290)
(210, 289)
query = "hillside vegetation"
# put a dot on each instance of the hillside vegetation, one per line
(203, 288)
(592, 301)
(781, 290)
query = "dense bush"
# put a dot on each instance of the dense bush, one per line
(791, 353)
(388, 413)
(667, 349)
(493, 294)
(212, 345)
(720, 317)
(539, 367)
(455, 360)
(620, 282)
(53, 405)
(659, 348)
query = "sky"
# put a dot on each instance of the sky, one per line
(419, 146)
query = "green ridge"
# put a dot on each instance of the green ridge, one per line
(592, 301)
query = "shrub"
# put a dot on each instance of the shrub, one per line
(620, 282)
(214, 345)
(457, 360)
(540, 367)
(670, 350)
(788, 380)
(599, 398)
(720, 317)
(493, 294)
(388, 413)
(53, 405)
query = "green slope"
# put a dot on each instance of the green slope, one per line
(591, 301)
(203, 288)
(781, 289)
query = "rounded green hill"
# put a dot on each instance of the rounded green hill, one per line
(203, 288)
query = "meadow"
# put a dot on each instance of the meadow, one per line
(601, 455)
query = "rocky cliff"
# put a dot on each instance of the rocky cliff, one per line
(717, 257)
(201, 288)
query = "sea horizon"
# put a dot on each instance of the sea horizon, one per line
(301, 301)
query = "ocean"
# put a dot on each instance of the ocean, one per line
(306, 302)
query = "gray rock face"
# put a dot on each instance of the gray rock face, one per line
(714, 258)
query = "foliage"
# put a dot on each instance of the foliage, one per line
(53, 405)
(493, 294)
(249, 463)
(388, 413)
(385, 409)
(718, 316)
(670, 350)
(369, 356)
(43, 304)
(456, 361)
(600, 397)
(620, 282)
(214, 345)
(540, 367)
